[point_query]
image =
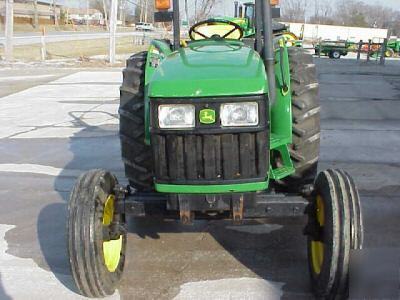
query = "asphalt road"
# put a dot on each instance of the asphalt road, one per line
(52, 128)
(51, 37)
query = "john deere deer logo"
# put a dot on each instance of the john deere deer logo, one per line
(207, 116)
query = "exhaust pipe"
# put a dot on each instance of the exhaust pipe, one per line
(235, 15)
(177, 24)
(269, 55)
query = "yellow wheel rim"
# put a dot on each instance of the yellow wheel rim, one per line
(290, 39)
(317, 248)
(111, 249)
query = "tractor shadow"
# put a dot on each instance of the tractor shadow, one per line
(91, 148)
(3, 294)
(270, 249)
(274, 250)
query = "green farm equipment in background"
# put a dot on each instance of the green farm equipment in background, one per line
(332, 49)
(244, 16)
(393, 48)
(225, 126)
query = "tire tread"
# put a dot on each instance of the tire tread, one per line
(306, 121)
(84, 236)
(136, 155)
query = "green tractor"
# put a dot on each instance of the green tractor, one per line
(245, 17)
(393, 47)
(220, 127)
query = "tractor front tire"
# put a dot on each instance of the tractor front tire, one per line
(334, 229)
(306, 121)
(136, 155)
(96, 263)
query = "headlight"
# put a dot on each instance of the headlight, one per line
(239, 114)
(176, 116)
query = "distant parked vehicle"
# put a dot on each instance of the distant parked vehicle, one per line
(333, 49)
(144, 26)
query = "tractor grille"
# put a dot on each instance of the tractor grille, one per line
(211, 154)
(201, 159)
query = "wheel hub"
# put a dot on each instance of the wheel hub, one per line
(317, 247)
(112, 248)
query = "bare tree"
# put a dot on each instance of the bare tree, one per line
(105, 14)
(294, 10)
(122, 11)
(203, 9)
(97, 4)
(343, 12)
(357, 13)
(323, 13)
(143, 10)
(351, 13)
(103, 6)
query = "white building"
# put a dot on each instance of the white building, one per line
(335, 33)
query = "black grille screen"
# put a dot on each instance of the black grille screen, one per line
(223, 157)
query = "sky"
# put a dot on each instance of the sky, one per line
(395, 4)
(226, 6)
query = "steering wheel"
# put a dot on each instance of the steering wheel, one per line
(215, 29)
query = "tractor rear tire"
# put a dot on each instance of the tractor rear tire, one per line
(136, 155)
(334, 229)
(389, 53)
(306, 121)
(96, 264)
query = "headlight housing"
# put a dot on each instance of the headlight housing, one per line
(239, 114)
(176, 116)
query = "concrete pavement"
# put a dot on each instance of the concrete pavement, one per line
(14, 79)
(66, 123)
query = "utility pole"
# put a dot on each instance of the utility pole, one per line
(113, 29)
(9, 30)
(141, 10)
(145, 10)
(36, 14)
(187, 12)
(55, 13)
(122, 12)
(195, 11)
(105, 14)
(87, 15)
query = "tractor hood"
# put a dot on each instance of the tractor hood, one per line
(210, 69)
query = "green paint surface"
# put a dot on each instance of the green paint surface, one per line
(211, 189)
(281, 111)
(209, 68)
